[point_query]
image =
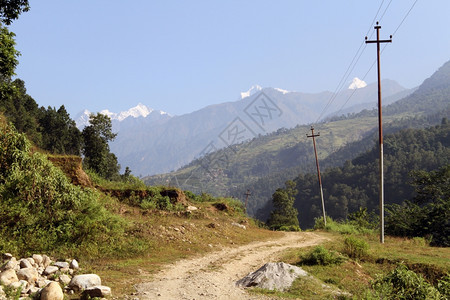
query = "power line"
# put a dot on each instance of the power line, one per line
(385, 45)
(351, 66)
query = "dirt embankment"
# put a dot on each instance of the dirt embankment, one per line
(213, 276)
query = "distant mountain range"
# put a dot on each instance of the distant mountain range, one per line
(151, 141)
(263, 164)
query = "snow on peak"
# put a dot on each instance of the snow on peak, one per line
(281, 91)
(253, 90)
(357, 84)
(138, 111)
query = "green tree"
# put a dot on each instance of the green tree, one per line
(11, 9)
(97, 156)
(284, 214)
(8, 54)
(59, 132)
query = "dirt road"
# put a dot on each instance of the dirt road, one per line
(213, 276)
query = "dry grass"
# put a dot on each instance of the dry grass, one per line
(171, 236)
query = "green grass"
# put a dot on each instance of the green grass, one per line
(356, 276)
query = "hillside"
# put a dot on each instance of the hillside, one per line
(266, 162)
(155, 147)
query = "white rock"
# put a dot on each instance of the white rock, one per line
(52, 291)
(38, 259)
(33, 290)
(239, 225)
(25, 263)
(28, 274)
(64, 279)
(97, 291)
(61, 264)
(74, 264)
(272, 276)
(84, 281)
(50, 270)
(191, 208)
(8, 276)
(46, 261)
(18, 284)
(11, 264)
(31, 260)
(7, 256)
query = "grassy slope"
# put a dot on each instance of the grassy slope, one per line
(355, 276)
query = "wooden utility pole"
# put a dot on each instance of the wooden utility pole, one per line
(246, 199)
(318, 172)
(380, 130)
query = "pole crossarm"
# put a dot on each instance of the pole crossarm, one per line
(380, 128)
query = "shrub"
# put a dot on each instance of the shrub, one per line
(355, 248)
(321, 256)
(40, 210)
(402, 283)
(289, 228)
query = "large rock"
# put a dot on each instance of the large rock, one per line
(28, 274)
(25, 263)
(61, 264)
(38, 259)
(11, 264)
(52, 291)
(272, 276)
(84, 281)
(8, 276)
(50, 270)
(99, 291)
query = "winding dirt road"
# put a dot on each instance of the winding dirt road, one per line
(213, 276)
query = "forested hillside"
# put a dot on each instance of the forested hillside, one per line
(266, 162)
(356, 184)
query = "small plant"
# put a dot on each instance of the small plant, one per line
(321, 256)
(402, 283)
(355, 248)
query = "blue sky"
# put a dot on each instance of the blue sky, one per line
(179, 56)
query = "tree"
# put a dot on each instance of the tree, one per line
(284, 214)
(11, 9)
(59, 132)
(97, 156)
(8, 54)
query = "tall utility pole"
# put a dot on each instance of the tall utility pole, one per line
(318, 172)
(380, 130)
(246, 199)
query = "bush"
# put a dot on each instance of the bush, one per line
(289, 228)
(402, 283)
(40, 210)
(355, 248)
(321, 256)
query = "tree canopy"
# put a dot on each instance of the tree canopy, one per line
(11, 9)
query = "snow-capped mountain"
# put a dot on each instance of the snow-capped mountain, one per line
(253, 90)
(141, 110)
(282, 91)
(357, 84)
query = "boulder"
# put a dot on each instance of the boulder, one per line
(11, 264)
(272, 276)
(25, 263)
(28, 274)
(8, 276)
(84, 281)
(74, 264)
(46, 261)
(52, 291)
(50, 270)
(64, 279)
(38, 259)
(99, 291)
(61, 264)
